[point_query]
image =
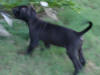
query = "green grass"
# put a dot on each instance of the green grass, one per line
(53, 61)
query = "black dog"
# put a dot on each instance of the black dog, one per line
(53, 34)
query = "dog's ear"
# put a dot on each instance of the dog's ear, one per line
(31, 9)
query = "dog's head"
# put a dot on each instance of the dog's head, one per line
(24, 12)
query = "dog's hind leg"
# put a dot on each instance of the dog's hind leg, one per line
(73, 55)
(81, 57)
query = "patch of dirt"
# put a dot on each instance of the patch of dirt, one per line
(91, 66)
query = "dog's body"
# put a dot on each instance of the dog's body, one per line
(53, 34)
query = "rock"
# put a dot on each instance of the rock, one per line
(4, 32)
(7, 18)
(51, 13)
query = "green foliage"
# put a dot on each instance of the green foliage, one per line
(52, 3)
(8, 4)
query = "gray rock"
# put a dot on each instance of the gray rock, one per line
(7, 18)
(4, 32)
(51, 13)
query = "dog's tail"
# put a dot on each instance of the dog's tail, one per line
(85, 30)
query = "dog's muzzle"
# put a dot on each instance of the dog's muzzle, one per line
(15, 12)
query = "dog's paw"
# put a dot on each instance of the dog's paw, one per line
(83, 62)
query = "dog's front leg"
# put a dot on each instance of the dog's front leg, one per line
(47, 45)
(33, 40)
(31, 46)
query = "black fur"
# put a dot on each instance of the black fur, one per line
(53, 34)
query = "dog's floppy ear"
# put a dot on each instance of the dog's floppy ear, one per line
(31, 8)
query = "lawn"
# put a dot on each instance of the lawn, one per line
(53, 61)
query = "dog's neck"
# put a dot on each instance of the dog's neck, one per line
(33, 20)
(30, 19)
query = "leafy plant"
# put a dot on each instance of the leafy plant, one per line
(8, 4)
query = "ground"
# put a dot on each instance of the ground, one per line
(53, 61)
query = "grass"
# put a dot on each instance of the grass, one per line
(53, 61)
